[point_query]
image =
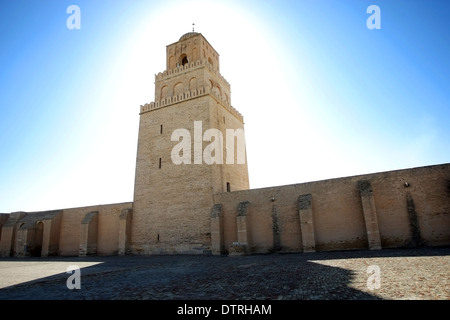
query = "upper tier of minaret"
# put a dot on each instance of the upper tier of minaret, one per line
(191, 46)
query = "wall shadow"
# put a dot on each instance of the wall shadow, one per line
(293, 276)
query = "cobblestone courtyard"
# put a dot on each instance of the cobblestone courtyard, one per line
(404, 274)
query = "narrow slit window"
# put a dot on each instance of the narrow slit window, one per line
(228, 187)
(160, 163)
(160, 131)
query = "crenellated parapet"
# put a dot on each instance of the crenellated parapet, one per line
(190, 67)
(188, 95)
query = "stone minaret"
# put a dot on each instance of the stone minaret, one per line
(191, 145)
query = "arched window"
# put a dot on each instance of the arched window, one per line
(193, 84)
(164, 92)
(195, 54)
(183, 60)
(178, 89)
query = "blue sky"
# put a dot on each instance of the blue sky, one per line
(322, 95)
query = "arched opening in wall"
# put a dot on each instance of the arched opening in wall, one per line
(178, 89)
(183, 60)
(210, 62)
(164, 92)
(36, 245)
(194, 54)
(216, 90)
(193, 84)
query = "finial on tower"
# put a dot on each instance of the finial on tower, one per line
(193, 24)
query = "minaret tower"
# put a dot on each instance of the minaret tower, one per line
(191, 145)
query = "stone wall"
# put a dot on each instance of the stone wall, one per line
(401, 208)
(92, 230)
(3, 218)
(67, 232)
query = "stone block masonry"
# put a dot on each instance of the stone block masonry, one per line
(394, 209)
(93, 230)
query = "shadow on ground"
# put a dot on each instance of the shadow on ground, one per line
(257, 277)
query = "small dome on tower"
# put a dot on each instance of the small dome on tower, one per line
(188, 35)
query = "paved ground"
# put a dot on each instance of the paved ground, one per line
(400, 274)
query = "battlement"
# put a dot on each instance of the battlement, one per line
(188, 95)
(189, 67)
